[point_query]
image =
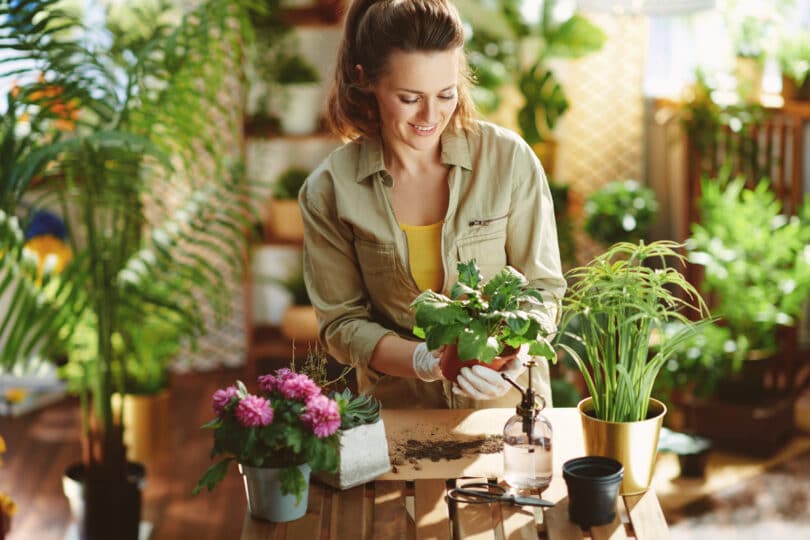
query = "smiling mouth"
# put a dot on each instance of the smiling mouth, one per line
(424, 130)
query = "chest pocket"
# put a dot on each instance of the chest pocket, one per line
(378, 264)
(486, 243)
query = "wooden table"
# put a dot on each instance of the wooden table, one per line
(410, 503)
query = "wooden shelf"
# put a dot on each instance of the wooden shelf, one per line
(268, 129)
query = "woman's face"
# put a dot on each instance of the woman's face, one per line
(417, 97)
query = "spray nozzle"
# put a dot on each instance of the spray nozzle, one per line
(527, 408)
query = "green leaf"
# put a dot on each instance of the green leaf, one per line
(575, 38)
(468, 274)
(293, 483)
(212, 476)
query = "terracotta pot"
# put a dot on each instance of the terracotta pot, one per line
(300, 323)
(451, 364)
(284, 220)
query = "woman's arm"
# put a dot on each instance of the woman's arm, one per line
(393, 355)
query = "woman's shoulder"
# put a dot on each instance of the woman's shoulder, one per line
(340, 166)
(489, 132)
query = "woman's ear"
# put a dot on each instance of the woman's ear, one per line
(359, 74)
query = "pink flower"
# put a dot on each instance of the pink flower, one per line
(298, 386)
(221, 399)
(254, 411)
(267, 383)
(322, 415)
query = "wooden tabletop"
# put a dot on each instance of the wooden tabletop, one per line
(411, 502)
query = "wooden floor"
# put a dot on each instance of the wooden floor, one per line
(42, 444)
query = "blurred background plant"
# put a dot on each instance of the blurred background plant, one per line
(756, 261)
(509, 43)
(620, 211)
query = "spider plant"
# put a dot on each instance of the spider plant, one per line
(619, 304)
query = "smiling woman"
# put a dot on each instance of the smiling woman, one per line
(420, 184)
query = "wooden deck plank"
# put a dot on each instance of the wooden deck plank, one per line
(612, 531)
(390, 516)
(476, 521)
(431, 514)
(254, 529)
(557, 524)
(646, 516)
(351, 515)
(309, 526)
(518, 522)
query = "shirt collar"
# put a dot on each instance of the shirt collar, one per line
(455, 151)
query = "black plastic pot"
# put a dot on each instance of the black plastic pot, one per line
(593, 484)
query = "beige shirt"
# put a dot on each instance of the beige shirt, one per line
(356, 256)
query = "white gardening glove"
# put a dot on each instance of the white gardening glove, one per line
(482, 383)
(426, 363)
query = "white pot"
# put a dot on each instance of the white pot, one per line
(363, 457)
(264, 498)
(301, 110)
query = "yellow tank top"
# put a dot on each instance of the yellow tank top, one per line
(425, 254)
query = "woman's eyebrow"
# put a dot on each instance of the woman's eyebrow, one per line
(452, 86)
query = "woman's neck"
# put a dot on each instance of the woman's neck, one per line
(403, 158)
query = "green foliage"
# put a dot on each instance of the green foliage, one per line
(565, 226)
(286, 441)
(756, 260)
(484, 317)
(289, 183)
(296, 285)
(621, 211)
(793, 55)
(617, 302)
(115, 128)
(698, 365)
(714, 129)
(294, 69)
(500, 32)
(356, 410)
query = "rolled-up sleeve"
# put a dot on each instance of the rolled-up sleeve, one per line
(333, 278)
(532, 244)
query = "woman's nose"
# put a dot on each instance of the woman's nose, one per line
(428, 111)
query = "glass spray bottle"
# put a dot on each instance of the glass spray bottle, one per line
(527, 458)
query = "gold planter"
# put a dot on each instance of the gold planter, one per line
(146, 424)
(634, 444)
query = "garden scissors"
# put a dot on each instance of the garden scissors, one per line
(484, 493)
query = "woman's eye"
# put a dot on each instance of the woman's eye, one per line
(409, 101)
(448, 98)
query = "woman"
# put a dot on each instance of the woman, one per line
(420, 186)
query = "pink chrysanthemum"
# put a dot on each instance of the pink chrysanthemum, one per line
(284, 373)
(298, 386)
(267, 383)
(221, 399)
(254, 411)
(322, 415)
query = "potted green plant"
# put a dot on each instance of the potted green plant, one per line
(277, 436)
(756, 270)
(284, 216)
(480, 320)
(620, 211)
(295, 93)
(140, 117)
(620, 303)
(299, 321)
(793, 55)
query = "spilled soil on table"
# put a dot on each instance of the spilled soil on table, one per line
(425, 441)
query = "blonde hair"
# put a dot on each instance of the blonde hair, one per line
(373, 30)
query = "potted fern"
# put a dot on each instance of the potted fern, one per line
(483, 322)
(618, 304)
(141, 112)
(284, 220)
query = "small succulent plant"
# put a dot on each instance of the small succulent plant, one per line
(356, 410)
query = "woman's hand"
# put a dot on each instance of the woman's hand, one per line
(482, 383)
(426, 363)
